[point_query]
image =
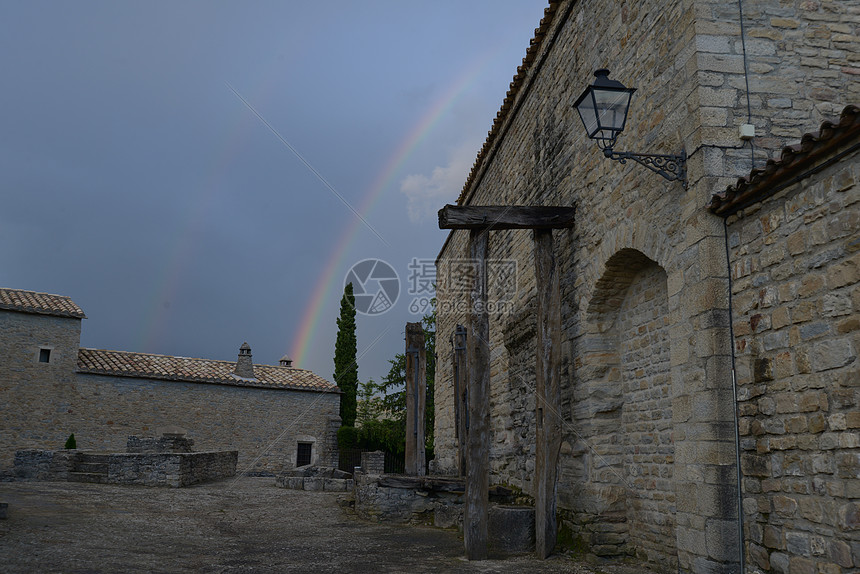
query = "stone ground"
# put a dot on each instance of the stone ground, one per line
(246, 525)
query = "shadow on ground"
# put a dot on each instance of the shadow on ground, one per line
(244, 525)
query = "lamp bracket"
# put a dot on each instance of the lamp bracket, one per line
(671, 167)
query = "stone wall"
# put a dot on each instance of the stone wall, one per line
(264, 425)
(45, 402)
(164, 443)
(646, 342)
(170, 469)
(316, 478)
(36, 397)
(147, 469)
(45, 464)
(796, 284)
(803, 58)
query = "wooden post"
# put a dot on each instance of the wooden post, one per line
(461, 378)
(548, 392)
(416, 393)
(479, 220)
(478, 439)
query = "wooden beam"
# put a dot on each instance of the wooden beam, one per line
(461, 377)
(478, 440)
(548, 392)
(416, 392)
(505, 217)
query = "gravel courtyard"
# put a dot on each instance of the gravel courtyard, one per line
(246, 525)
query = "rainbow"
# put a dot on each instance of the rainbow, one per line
(185, 240)
(329, 278)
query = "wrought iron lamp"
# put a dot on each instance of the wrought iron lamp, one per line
(603, 109)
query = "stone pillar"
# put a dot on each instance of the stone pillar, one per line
(373, 462)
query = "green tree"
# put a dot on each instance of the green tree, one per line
(369, 407)
(345, 362)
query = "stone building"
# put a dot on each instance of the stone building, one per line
(655, 328)
(275, 416)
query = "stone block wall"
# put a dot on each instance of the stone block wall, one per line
(264, 425)
(643, 249)
(42, 403)
(47, 465)
(796, 283)
(164, 443)
(36, 397)
(803, 58)
(147, 469)
(400, 505)
(170, 469)
(373, 462)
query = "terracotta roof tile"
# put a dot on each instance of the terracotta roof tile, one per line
(814, 149)
(165, 367)
(41, 303)
(516, 86)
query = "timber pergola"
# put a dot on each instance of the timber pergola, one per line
(480, 220)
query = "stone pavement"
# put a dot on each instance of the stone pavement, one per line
(247, 525)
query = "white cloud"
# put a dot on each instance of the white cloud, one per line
(427, 194)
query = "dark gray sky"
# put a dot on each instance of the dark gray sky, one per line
(136, 180)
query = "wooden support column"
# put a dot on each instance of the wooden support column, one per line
(478, 438)
(479, 220)
(416, 393)
(461, 378)
(548, 392)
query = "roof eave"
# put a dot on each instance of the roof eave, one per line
(815, 152)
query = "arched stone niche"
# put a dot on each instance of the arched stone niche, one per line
(623, 452)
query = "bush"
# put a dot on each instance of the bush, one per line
(71, 443)
(385, 434)
(347, 437)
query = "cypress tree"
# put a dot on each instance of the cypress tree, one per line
(345, 365)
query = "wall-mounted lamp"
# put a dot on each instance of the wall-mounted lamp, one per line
(603, 108)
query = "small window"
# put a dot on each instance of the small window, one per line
(303, 454)
(44, 355)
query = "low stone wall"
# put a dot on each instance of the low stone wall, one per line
(439, 501)
(45, 464)
(165, 443)
(315, 483)
(170, 469)
(406, 500)
(148, 469)
(316, 478)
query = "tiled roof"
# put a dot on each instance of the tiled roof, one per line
(167, 368)
(795, 162)
(516, 85)
(41, 303)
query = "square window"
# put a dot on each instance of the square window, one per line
(303, 454)
(44, 355)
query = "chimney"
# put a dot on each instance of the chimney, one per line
(286, 361)
(244, 366)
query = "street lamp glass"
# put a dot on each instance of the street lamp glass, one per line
(603, 108)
